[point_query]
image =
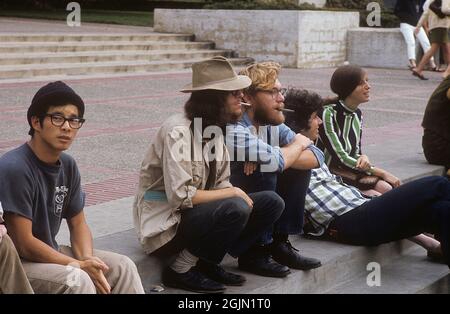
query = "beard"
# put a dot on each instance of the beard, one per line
(263, 118)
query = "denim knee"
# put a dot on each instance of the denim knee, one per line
(236, 210)
(275, 202)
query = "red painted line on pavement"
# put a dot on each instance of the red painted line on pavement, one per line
(111, 189)
(89, 133)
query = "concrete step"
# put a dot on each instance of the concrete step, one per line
(440, 286)
(68, 69)
(92, 37)
(410, 273)
(341, 264)
(24, 47)
(107, 56)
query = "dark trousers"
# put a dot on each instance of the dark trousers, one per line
(291, 185)
(415, 207)
(212, 229)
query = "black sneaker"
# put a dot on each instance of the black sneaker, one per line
(284, 253)
(217, 273)
(192, 280)
(258, 261)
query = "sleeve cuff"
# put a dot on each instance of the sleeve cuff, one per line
(187, 202)
(318, 153)
(223, 185)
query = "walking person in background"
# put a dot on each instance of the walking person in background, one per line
(409, 12)
(438, 33)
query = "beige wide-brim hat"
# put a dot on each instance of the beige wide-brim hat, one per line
(216, 73)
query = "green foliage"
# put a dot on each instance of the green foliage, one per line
(258, 5)
(388, 19)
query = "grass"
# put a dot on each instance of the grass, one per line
(136, 18)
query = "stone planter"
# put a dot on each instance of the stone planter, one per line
(293, 38)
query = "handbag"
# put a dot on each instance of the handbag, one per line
(355, 178)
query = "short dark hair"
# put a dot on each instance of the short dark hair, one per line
(209, 105)
(304, 103)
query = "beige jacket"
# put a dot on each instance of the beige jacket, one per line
(433, 20)
(174, 167)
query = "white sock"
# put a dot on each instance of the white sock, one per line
(184, 261)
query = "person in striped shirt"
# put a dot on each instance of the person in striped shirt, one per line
(342, 212)
(340, 134)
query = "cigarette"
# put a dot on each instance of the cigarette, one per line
(245, 104)
(287, 110)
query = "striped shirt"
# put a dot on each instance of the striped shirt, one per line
(340, 135)
(328, 198)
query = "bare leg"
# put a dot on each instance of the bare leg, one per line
(446, 72)
(426, 57)
(447, 60)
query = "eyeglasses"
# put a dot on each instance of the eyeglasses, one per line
(237, 93)
(274, 92)
(59, 120)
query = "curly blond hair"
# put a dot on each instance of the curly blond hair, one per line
(263, 75)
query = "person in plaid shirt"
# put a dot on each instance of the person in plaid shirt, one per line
(340, 211)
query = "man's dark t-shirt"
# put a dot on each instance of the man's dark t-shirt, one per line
(39, 191)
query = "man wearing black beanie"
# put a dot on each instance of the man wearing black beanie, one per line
(39, 186)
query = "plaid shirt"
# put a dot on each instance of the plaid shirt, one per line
(328, 198)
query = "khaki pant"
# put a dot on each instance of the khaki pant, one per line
(47, 278)
(12, 275)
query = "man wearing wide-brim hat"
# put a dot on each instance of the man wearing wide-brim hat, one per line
(185, 203)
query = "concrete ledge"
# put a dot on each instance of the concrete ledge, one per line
(293, 38)
(341, 264)
(379, 48)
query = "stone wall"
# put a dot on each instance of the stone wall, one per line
(293, 38)
(378, 47)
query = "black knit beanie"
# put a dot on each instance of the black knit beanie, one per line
(54, 94)
(345, 79)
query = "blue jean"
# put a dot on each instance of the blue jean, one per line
(210, 230)
(415, 207)
(291, 185)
